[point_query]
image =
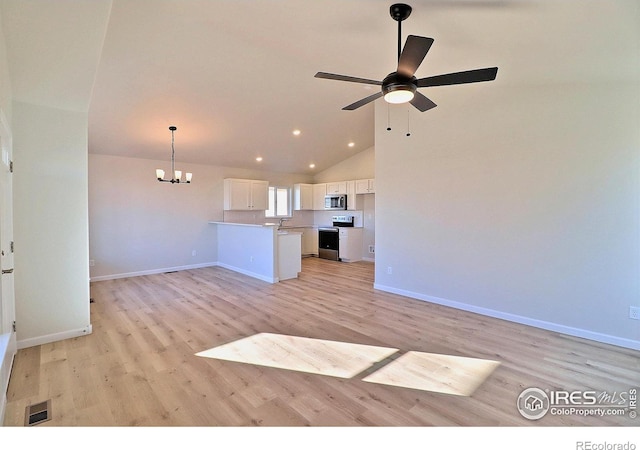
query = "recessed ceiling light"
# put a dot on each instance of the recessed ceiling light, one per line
(312, 165)
(352, 144)
(296, 132)
(259, 158)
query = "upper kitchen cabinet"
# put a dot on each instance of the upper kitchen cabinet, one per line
(365, 186)
(338, 187)
(352, 198)
(246, 194)
(303, 197)
(319, 192)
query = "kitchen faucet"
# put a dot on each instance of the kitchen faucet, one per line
(282, 219)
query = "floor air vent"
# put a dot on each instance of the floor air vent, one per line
(38, 413)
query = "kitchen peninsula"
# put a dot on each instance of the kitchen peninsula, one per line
(259, 251)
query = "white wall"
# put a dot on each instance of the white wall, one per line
(139, 225)
(357, 167)
(517, 202)
(50, 224)
(5, 79)
(257, 254)
(369, 225)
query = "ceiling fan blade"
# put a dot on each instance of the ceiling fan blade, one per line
(333, 76)
(363, 102)
(414, 51)
(421, 102)
(469, 76)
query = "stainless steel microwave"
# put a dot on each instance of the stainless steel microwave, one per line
(335, 202)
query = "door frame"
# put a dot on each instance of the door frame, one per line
(8, 341)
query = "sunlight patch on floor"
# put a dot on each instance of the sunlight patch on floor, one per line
(332, 358)
(445, 374)
(432, 372)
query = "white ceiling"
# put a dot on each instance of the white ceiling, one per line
(237, 76)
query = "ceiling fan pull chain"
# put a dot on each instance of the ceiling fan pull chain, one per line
(388, 118)
(408, 130)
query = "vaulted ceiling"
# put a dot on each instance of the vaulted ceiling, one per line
(237, 76)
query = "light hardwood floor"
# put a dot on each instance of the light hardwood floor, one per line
(138, 367)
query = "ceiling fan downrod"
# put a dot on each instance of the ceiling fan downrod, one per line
(400, 12)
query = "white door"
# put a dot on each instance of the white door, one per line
(7, 299)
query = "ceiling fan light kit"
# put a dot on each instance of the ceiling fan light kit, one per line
(397, 89)
(402, 86)
(176, 175)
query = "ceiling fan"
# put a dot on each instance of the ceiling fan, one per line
(401, 86)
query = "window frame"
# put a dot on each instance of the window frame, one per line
(274, 189)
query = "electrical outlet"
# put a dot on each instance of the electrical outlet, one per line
(250, 258)
(389, 270)
(372, 249)
(92, 262)
(634, 312)
(193, 253)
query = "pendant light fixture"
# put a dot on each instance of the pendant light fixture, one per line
(176, 175)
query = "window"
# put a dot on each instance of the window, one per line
(279, 202)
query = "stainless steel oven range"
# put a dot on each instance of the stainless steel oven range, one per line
(329, 237)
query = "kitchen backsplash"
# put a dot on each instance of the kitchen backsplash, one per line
(299, 218)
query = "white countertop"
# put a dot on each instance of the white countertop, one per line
(243, 224)
(266, 224)
(298, 226)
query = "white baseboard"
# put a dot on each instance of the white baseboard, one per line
(249, 273)
(54, 337)
(115, 276)
(550, 326)
(152, 271)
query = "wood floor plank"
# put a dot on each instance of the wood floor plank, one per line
(139, 366)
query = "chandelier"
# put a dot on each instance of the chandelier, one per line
(176, 175)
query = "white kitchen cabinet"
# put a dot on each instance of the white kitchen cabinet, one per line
(365, 186)
(319, 192)
(302, 197)
(310, 241)
(352, 204)
(309, 238)
(350, 246)
(242, 194)
(289, 263)
(259, 195)
(338, 187)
